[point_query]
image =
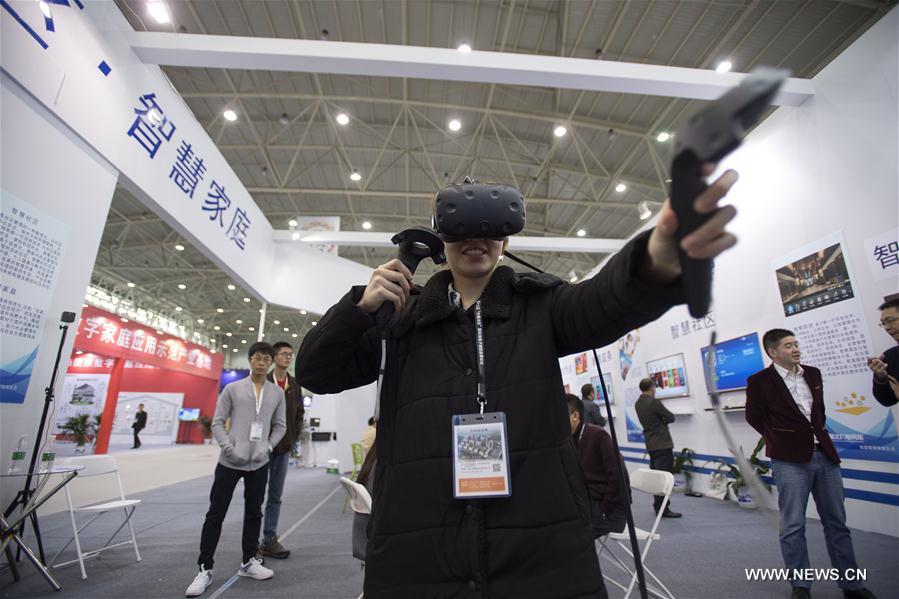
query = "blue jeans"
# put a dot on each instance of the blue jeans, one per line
(277, 472)
(823, 480)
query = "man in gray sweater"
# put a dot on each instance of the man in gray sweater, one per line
(655, 418)
(255, 407)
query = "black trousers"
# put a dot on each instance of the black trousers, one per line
(136, 437)
(220, 498)
(661, 459)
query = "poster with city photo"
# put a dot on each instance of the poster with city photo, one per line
(814, 280)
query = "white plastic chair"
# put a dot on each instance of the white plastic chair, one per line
(97, 465)
(360, 499)
(653, 482)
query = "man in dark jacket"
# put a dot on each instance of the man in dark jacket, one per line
(592, 410)
(785, 404)
(277, 464)
(537, 542)
(600, 464)
(139, 424)
(655, 418)
(886, 366)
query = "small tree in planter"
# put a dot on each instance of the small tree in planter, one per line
(737, 489)
(206, 423)
(683, 478)
(79, 428)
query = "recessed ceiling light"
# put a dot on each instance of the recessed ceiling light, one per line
(621, 188)
(464, 48)
(294, 335)
(342, 119)
(286, 330)
(179, 247)
(157, 10)
(252, 328)
(355, 176)
(303, 312)
(217, 328)
(581, 232)
(124, 319)
(158, 332)
(177, 308)
(182, 286)
(560, 131)
(643, 210)
(454, 125)
(211, 351)
(196, 334)
(366, 225)
(243, 340)
(79, 352)
(131, 284)
(573, 278)
(230, 115)
(246, 299)
(231, 287)
(276, 321)
(724, 66)
(663, 136)
(227, 334)
(219, 310)
(200, 321)
(225, 345)
(234, 350)
(292, 222)
(45, 9)
(314, 323)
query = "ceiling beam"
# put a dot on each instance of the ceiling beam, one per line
(383, 60)
(516, 242)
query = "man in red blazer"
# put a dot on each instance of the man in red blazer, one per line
(785, 404)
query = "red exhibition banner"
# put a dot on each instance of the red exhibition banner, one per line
(103, 333)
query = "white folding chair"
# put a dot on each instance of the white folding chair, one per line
(360, 499)
(95, 466)
(653, 482)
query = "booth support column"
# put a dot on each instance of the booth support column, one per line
(112, 400)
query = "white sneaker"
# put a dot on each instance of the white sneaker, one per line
(203, 580)
(255, 569)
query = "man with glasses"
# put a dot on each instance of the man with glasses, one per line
(255, 408)
(277, 465)
(886, 366)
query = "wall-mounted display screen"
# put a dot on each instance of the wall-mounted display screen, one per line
(189, 414)
(600, 398)
(669, 375)
(735, 361)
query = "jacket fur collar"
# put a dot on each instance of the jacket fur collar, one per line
(432, 305)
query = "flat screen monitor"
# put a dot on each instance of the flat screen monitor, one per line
(189, 414)
(735, 360)
(669, 375)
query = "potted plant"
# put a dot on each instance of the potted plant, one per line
(683, 477)
(79, 428)
(206, 423)
(737, 489)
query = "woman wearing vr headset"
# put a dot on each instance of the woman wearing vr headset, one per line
(535, 541)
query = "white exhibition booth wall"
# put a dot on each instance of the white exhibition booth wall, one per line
(828, 167)
(810, 177)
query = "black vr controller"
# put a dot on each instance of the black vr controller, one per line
(415, 245)
(710, 135)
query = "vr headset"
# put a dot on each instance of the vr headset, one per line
(474, 210)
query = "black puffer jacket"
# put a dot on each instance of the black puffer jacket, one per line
(423, 543)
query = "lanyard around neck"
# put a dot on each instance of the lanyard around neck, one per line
(482, 368)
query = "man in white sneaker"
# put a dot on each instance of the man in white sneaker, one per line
(256, 409)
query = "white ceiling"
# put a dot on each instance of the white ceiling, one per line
(398, 139)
